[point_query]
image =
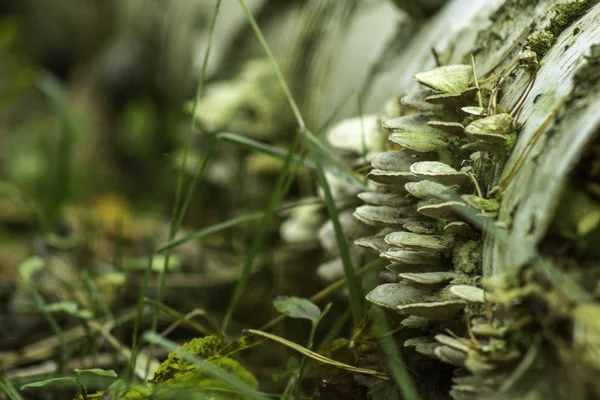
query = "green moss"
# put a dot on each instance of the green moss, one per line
(201, 386)
(174, 365)
(178, 373)
(511, 141)
(464, 280)
(505, 20)
(138, 392)
(541, 42)
(466, 257)
(568, 13)
(564, 16)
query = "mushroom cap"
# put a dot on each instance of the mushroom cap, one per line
(350, 226)
(473, 110)
(428, 278)
(468, 293)
(424, 345)
(414, 341)
(453, 99)
(401, 268)
(487, 330)
(444, 210)
(416, 101)
(399, 160)
(478, 366)
(427, 189)
(439, 310)
(449, 127)
(391, 177)
(457, 344)
(412, 257)
(384, 215)
(414, 322)
(418, 242)
(424, 227)
(481, 145)
(412, 132)
(408, 299)
(446, 79)
(451, 356)
(458, 228)
(358, 135)
(500, 124)
(441, 173)
(376, 243)
(386, 199)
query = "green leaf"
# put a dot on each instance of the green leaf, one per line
(30, 267)
(158, 263)
(97, 371)
(8, 388)
(63, 379)
(354, 288)
(71, 308)
(297, 307)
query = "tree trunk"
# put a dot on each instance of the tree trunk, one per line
(539, 262)
(540, 257)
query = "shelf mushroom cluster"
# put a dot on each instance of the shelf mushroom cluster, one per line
(426, 197)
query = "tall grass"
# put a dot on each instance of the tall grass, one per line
(319, 151)
(272, 205)
(322, 161)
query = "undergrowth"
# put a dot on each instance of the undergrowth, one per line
(207, 365)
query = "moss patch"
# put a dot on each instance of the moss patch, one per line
(174, 365)
(466, 257)
(568, 13)
(176, 374)
(505, 20)
(541, 42)
(564, 16)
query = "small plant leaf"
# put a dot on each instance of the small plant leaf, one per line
(30, 267)
(97, 371)
(158, 263)
(65, 379)
(71, 308)
(297, 307)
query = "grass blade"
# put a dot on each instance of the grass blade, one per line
(7, 387)
(269, 150)
(135, 345)
(59, 175)
(97, 298)
(394, 360)
(316, 356)
(210, 230)
(276, 69)
(177, 316)
(26, 270)
(178, 213)
(311, 140)
(354, 289)
(278, 193)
